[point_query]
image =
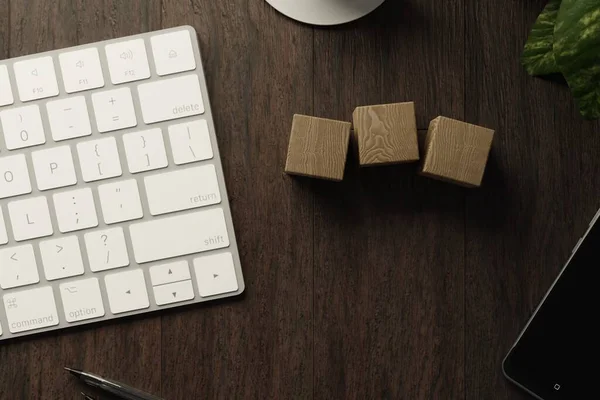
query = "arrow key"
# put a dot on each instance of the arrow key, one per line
(18, 267)
(215, 274)
(169, 273)
(126, 291)
(173, 292)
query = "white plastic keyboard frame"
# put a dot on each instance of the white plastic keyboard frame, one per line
(216, 160)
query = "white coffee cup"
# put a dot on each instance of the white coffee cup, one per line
(325, 12)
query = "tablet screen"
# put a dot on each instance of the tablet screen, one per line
(557, 356)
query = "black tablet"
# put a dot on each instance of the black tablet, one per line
(556, 356)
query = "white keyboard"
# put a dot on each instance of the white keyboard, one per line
(112, 195)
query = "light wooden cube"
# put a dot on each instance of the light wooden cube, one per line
(386, 134)
(318, 147)
(456, 151)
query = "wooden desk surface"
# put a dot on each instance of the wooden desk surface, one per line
(385, 286)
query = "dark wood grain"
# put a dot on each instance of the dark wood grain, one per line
(387, 285)
(389, 249)
(521, 228)
(259, 73)
(4, 28)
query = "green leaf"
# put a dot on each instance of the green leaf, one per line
(577, 52)
(538, 56)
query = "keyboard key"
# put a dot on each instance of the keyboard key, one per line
(30, 218)
(215, 274)
(182, 190)
(69, 118)
(82, 300)
(181, 235)
(190, 142)
(75, 210)
(61, 257)
(145, 150)
(126, 291)
(106, 249)
(169, 99)
(22, 127)
(14, 176)
(81, 70)
(120, 201)
(54, 168)
(173, 52)
(169, 273)
(127, 61)
(99, 159)
(36, 78)
(6, 96)
(114, 110)
(18, 267)
(173, 293)
(3, 234)
(30, 309)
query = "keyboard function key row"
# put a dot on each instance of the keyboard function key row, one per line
(82, 70)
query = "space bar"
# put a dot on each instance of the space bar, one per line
(178, 236)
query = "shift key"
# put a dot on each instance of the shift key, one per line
(180, 235)
(30, 309)
(182, 190)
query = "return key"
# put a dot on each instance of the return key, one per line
(182, 190)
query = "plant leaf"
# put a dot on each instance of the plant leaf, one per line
(538, 55)
(577, 52)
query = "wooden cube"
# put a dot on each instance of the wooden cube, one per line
(456, 151)
(318, 147)
(386, 134)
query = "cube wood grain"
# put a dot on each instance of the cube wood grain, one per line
(456, 151)
(318, 147)
(386, 134)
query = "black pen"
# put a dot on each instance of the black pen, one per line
(115, 388)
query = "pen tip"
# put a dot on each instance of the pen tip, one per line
(75, 372)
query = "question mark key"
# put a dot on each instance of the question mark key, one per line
(106, 249)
